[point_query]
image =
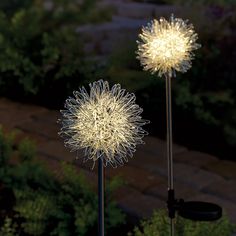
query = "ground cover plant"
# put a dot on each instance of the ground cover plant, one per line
(158, 225)
(35, 201)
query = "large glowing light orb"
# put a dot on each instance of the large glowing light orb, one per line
(167, 46)
(105, 122)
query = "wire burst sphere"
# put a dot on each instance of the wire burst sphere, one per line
(167, 46)
(105, 122)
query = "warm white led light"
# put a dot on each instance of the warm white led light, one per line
(105, 122)
(166, 47)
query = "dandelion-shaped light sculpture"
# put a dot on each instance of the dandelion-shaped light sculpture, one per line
(167, 46)
(106, 123)
(164, 48)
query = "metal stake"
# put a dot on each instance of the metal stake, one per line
(100, 197)
(169, 142)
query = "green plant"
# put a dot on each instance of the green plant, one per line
(69, 209)
(27, 150)
(8, 228)
(73, 186)
(35, 208)
(46, 54)
(6, 147)
(48, 204)
(158, 225)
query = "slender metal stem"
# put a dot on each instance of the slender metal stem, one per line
(100, 197)
(169, 133)
(169, 142)
(172, 227)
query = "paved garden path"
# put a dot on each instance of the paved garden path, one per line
(198, 176)
(126, 23)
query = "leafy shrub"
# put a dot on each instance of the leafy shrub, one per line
(50, 205)
(8, 228)
(27, 150)
(40, 51)
(159, 225)
(33, 207)
(6, 147)
(70, 209)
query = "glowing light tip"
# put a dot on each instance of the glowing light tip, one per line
(167, 46)
(105, 122)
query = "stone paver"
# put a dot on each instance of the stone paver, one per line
(43, 124)
(57, 150)
(198, 176)
(140, 205)
(48, 116)
(137, 178)
(13, 113)
(155, 151)
(226, 169)
(158, 147)
(195, 158)
(155, 163)
(41, 128)
(193, 176)
(225, 189)
(181, 190)
(20, 135)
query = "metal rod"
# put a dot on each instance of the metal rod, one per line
(169, 142)
(100, 197)
(172, 227)
(169, 133)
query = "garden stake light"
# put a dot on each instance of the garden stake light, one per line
(107, 125)
(164, 48)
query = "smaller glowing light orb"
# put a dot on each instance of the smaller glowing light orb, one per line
(105, 122)
(166, 47)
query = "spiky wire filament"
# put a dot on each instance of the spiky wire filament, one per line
(167, 46)
(105, 122)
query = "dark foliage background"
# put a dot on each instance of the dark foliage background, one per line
(42, 61)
